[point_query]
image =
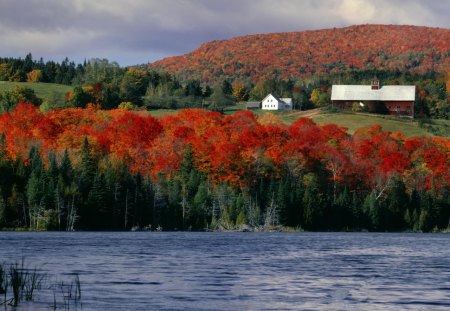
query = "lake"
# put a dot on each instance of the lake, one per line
(241, 271)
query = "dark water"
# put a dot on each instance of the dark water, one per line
(243, 271)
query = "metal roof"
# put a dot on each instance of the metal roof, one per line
(253, 104)
(287, 100)
(365, 92)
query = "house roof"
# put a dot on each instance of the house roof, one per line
(365, 92)
(286, 100)
(253, 104)
(270, 94)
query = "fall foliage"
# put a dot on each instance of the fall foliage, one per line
(240, 153)
(287, 55)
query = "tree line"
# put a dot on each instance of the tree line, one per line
(105, 83)
(93, 169)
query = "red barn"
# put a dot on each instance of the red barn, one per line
(395, 100)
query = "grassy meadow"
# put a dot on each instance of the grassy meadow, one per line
(352, 121)
(47, 91)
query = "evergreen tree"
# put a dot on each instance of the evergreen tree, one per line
(397, 200)
(372, 211)
(65, 168)
(312, 202)
(198, 217)
(87, 169)
(98, 215)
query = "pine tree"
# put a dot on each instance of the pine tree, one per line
(372, 211)
(198, 214)
(396, 207)
(87, 170)
(65, 168)
(98, 213)
(312, 202)
(2, 210)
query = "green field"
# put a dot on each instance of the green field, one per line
(351, 121)
(160, 112)
(354, 121)
(47, 91)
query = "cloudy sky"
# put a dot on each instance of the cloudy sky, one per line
(140, 31)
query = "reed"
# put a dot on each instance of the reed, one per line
(19, 282)
(71, 293)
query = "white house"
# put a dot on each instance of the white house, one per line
(271, 102)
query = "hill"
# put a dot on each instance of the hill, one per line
(411, 49)
(46, 91)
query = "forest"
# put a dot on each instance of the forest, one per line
(110, 86)
(305, 54)
(97, 160)
(95, 169)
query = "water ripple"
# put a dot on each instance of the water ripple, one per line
(244, 271)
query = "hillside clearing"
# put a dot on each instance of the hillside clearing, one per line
(349, 120)
(47, 91)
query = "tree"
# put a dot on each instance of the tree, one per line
(320, 98)
(10, 99)
(34, 76)
(193, 88)
(226, 87)
(87, 169)
(133, 86)
(79, 97)
(219, 100)
(312, 202)
(240, 92)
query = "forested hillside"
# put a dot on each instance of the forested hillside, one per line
(388, 48)
(300, 65)
(117, 169)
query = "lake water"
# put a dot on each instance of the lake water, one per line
(241, 271)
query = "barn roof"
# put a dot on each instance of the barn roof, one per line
(365, 92)
(253, 104)
(287, 100)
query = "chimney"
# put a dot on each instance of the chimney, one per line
(375, 84)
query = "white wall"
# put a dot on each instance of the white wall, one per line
(271, 103)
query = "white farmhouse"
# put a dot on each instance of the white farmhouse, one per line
(271, 102)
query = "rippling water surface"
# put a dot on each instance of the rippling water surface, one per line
(243, 271)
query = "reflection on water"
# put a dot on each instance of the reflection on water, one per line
(244, 271)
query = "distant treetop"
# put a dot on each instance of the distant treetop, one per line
(287, 55)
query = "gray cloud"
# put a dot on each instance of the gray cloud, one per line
(137, 31)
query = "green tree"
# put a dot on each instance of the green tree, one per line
(133, 86)
(219, 100)
(79, 97)
(227, 88)
(312, 202)
(10, 99)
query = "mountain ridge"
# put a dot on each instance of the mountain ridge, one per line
(405, 48)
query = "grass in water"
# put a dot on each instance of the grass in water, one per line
(19, 283)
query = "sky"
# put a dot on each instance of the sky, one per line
(139, 31)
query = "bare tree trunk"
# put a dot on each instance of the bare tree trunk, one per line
(126, 210)
(58, 208)
(271, 216)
